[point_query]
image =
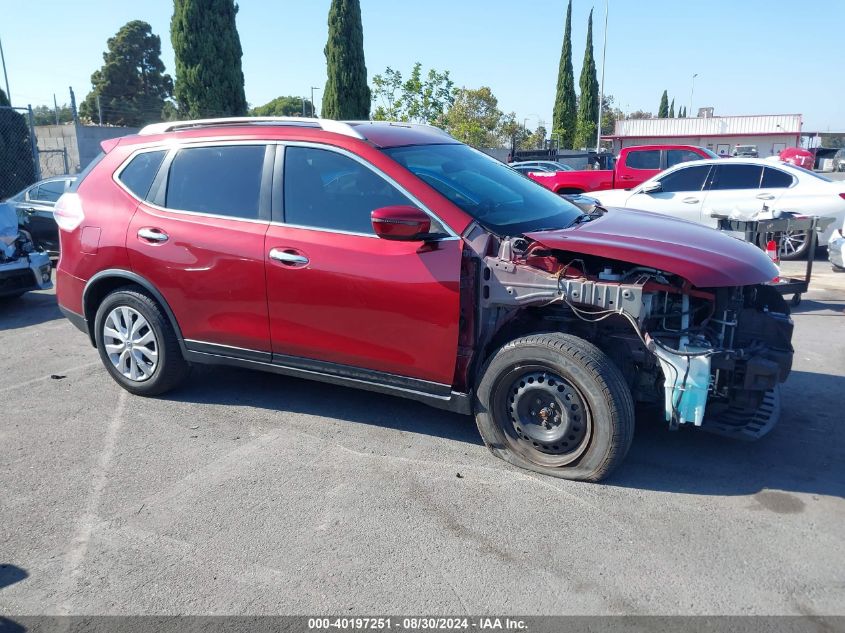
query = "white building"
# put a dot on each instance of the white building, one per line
(769, 132)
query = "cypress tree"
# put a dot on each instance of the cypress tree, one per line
(663, 110)
(565, 114)
(209, 79)
(588, 107)
(346, 95)
(672, 109)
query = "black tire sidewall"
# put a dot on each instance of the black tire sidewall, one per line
(133, 300)
(592, 387)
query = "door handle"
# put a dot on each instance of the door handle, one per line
(765, 196)
(288, 257)
(153, 235)
(627, 177)
(690, 200)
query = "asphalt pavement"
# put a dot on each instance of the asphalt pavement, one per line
(249, 493)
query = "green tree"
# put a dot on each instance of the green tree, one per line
(418, 99)
(475, 117)
(663, 110)
(609, 115)
(131, 84)
(284, 106)
(209, 78)
(346, 95)
(672, 109)
(639, 114)
(565, 115)
(46, 115)
(17, 167)
(588, 103)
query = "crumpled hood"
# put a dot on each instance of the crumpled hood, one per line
(705, 257)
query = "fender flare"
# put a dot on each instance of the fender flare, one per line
(119, 273)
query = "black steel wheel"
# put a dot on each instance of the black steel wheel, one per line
(555, 404)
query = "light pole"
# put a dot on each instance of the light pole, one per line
(313, 111)
(5, 76)
(691, 91)
(601, 89)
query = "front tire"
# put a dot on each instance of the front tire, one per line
(137, 343)
(557, 405)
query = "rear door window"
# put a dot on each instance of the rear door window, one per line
(222, 180)
(737, 177)
(643, 159)
(49, 191)
(139, 174)
(685, 179)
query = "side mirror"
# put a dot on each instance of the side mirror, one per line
(652, 187)
(401, 222)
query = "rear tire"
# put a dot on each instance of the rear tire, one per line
(137, 343)
(557, 405)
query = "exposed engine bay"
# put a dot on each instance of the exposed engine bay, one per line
(710, 357)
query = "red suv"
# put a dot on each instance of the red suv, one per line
(393, 258)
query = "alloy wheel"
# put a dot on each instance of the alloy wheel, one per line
(130, 343)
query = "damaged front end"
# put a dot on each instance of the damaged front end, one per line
(708, 356)
(22, 267)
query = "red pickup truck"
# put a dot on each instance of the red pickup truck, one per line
(635, 165)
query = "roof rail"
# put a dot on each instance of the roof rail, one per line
(328, 125)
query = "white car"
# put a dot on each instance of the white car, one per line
(737, 187)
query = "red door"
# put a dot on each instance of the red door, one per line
(202, 245)
(339, 294)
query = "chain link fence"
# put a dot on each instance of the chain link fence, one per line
(19, 163)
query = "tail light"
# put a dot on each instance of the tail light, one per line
(68, 211)
(842, 195)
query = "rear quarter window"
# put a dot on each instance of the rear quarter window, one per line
(139, 174)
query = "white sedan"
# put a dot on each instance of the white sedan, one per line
(736, 187)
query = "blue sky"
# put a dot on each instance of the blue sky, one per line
(751, 56)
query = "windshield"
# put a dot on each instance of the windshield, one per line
(500, 198)
(710, 153)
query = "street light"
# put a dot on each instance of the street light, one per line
(692, 90)
(313, 112)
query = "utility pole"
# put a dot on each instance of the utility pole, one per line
(99, 109)
(302, 112)
(56, 110)
(601, 89)
(313, 111)
(73, 112)
(5, 76)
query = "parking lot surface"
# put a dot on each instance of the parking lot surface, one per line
(257, 494)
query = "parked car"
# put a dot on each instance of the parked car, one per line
(22, 266)
(543, 165)
(526, 170)
(745, 151)
(396, 259)
(34, 207)
(798, 156)
(839, 160)
(836, 249)
(633, 166)
(740, 187)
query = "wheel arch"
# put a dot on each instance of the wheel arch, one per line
(561, 191)
(106, 281)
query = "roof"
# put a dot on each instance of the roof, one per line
(710, 126)
(379, 133)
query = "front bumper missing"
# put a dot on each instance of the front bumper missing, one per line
(32, 271)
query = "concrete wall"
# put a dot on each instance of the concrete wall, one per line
(767, 145)
(80, 142)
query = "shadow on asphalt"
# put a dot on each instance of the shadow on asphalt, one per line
(30, 309)
(10, 574)
(225, 385)
(804, 453)
(811, 305)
